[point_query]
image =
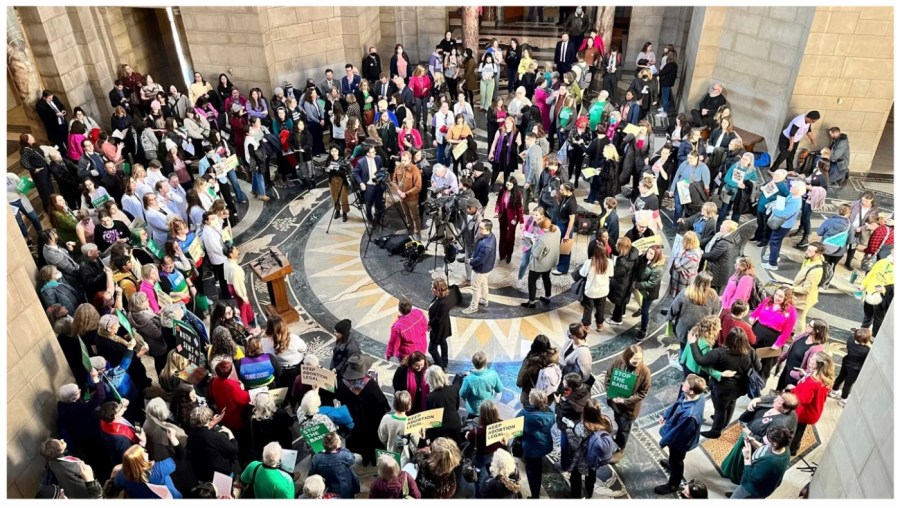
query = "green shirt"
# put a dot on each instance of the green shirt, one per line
(687, 359)
(269, 482)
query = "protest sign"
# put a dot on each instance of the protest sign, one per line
(314, 436)
(505, 430)
(187, 342)
(643, 244)
(381, 452)
(621, 384)
(429, 419)
(317, 376)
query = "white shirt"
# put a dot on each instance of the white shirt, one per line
(132, 205)
(158, 222)
(802, 128)
(370, 162)
(292, 356)
(441, 119)
(153, 176)
(215, 246)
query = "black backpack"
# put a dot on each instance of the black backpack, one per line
(757, 294)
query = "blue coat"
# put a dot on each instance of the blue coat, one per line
(337, 470)
(361, 172)
(478, 386)
(681, 430)
(783, 190)
(537, 440)
(485, 255)
(339, 415)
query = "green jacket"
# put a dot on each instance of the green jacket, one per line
(763, 476)
(687, 359)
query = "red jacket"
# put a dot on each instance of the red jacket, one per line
(811, 395)
(408, 335)
(227, 394)
(420, 86)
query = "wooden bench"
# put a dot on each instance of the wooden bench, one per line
(749, 139)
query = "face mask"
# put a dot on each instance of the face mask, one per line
(578, 12)
(612, 120)
(58, 276)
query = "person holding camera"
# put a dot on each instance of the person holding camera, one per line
(373, 191)
(337, 182)
(408, 183)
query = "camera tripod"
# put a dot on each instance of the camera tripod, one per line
(358, 204)
(442, 231)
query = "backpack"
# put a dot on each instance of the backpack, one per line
(827, 272)
(755, 383)
(582, 75)
(757, 294)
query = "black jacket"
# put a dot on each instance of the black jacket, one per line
(570, 407)
(612, 226)
(667, 75)
(481, 186)
(720, 359)
(48, 115)
(720, 259)
(371, 67)
(708, 232)
(211, 451)
(342, 352)
(66, 174)
(439, 319)
(446, 398)
(623, 276)
(93, 277)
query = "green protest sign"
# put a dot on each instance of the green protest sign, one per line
(381, 452)
(621, 384)
(314, 436)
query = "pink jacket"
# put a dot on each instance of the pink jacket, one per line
(408, 334)
(540, 99)
(420, 86)
(770, 317)
(76, 151)
(737, 290)
(148, 290)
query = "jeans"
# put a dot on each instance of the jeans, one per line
(523, 266)
(483, 464)
(679, 209)
(645, 313)
(624, 423)
(805, 218)
(532, 284)
(219, 274)
(258, 184)
(733, 207)
(534, 473)
(442, 156)
(540, 11)
(594, 190)
(775, 244)
(564, 259)
(438, 351)
(238, 192)
(31, 215)
(511, 76)
(666, 93)
(595, 306)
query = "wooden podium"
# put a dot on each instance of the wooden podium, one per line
(272, 267)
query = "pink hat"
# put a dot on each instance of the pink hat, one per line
(154, 104)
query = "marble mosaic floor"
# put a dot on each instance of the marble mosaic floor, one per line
(336, 277)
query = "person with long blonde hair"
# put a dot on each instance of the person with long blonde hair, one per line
(707, 332)
(438, 467)
(685, 262)
(137, 471)
(692, 305)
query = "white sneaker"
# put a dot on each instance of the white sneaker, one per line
(613, 323)
(483, 302)
(556, 272)
(842, 403)
(470, 310)
(834, 394)
(770, 267)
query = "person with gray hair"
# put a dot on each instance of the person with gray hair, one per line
(211, 448)
(444, 181)
(95, 276)
(269, 424)
(165, 440)
(77, 422)
(313, 488)
(75, 477)
(446, 396)
(149, 325)
(265, 479)
(505, 481)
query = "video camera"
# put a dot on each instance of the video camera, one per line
(339, 167)
(449, 204)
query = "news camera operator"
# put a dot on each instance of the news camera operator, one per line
(338, 169)
(407, 180)
(370, 175)
(443, 181)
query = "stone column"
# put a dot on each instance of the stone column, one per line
(646, 23)
(21, 64)
(604, 24)
(470, 28)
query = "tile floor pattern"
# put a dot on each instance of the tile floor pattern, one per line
(335, 280)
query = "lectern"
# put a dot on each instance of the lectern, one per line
(272, 267)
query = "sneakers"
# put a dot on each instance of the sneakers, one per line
(465, 284)
(641, 335)
(545, 300)
(770, 267)
(470, 310)
(556, 272)
(765, 258)
(483, 302)
(834, 394)
(613, 322)
(842, 403)
(636, 313)
(529, 305)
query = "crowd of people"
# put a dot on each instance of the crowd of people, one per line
(144, 209)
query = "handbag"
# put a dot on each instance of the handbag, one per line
(755, 383)
(774, 222)
(566, 247)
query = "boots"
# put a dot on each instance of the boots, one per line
(343, 217)
(337, 213)
(804, 242)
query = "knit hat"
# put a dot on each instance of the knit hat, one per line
(154, 104)
(279, 91)
(343, 326)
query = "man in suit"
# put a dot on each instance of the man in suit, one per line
(534, 165)
(329, 82)
(384, 89)
(564, 55)
(53, 114)
(90, 165)
(371, 66)
(350, 82)
(364, 176)
(118, 96)
(406, 94)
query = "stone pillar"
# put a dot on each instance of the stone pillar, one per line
(21, 65)
(470, 28)
(858, 460)
(646, 23)
(700, 54)
(604, 24)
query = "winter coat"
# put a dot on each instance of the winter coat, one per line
(537, 440)
(631, 409)
(485, 255)
(648, 279)
(478, 386)
(720, 258)
(832, 226)
(840, 154)
(62, 293)
(685, 314)
(624, 274)
(336, 468)
(545, 252)
(681, 430)
(706, 234)
(572, 405)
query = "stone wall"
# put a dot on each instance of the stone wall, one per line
(35, 368)
(700, 52)
(646, 24)
(846, 73)
(858, 462)
(419, 29)
(757, 62)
